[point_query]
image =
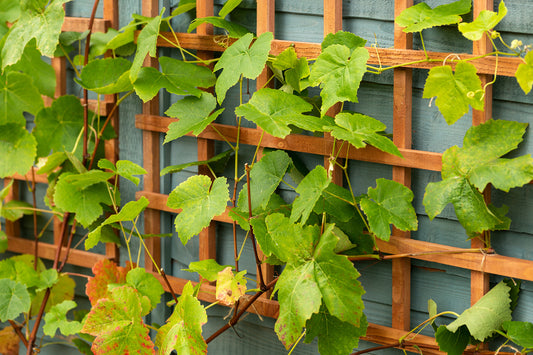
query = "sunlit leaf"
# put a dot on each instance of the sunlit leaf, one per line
(183, 7)
(420, 16)
(57, 318)
(17, 149)
(230, 287)
(347, 39)
(309, 190)
(524, 73)
(485, 21)
(208, 269)
(146, 284)
(146, 44)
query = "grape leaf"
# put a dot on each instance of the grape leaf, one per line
(106, 76)
(62, 290)
(334, 336)
(466, 171)
(57, 127)
(183, 330)
(17, 149)
(146, 44)
(485, 21)
(347, 39)
(14, 299)
(487, 314)
(274, 110)
(56, 318)
(454, 92)
(105, 272)
(42, 22)
(242, 59)
(520, 333)
(18, 95)
(208, 268)
(389, 203)
(176, 76)
(339, 71)
(10, 12)
(123, 168)
(524, 73)
(3, 241)
(117, 324)
(9, 340)
(421, 16)
(228, 7)
(194, 115)
(230, 287)
(453, 343)
(129, 212)
(234, 30)
(146, 284)
(84, 202)
(214, 162)
(13, 211)
(183, 7)
(310, 190)
(200, 200)
(359, 129)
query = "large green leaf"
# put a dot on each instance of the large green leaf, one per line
(421, 16)
(117, 324)
(194, 115)
(176, 76)
(146, 284)
(335, 337)
(487, 315)
(359, 129)
(242, 59)
(200, 200)
(14, 299)
(146, 44)
(524, 73)
(183, 330)
(454, 92)
(57, 318)
(274, 110)
(84, 202)
(18, 95)
(106, 76)
(389, 203)
(234, 30)
(339, 71)
(42, 21)
(466, 171)
(310, 190)
(124, 168)
(17, 149)
(486, 21)
(453, 343)
(10, 10)
(520, 333)
(58, 127)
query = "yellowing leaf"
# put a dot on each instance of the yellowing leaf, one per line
(230, 287)
(524, 73)
(485, 21)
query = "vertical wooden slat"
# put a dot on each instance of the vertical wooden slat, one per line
(12, 228)
(479, 281)
(151, 158)
(402, 113)
(266, 12)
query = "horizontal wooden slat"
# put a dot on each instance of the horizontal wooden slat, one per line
(81, 24)
(306, 144)
(489, 263)
(40, 179)
(385, 56)
(47, 251)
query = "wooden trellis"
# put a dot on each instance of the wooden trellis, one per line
(480, 265)
(20, 244)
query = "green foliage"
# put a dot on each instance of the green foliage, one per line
(421, 16)
(14, 299)
(485, 22)
(310, 190)
(146, 44)
(105, 273)
(234, 30)
(18, 95)
(3, 241)
(146, 284)
(520, 333)
(56, 318)
(208, 269)
(106, 76)
(17, 148)
(524, 73)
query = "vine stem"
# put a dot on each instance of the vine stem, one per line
(408, 255)
(35, 233)
(239, 314)
(16, 328)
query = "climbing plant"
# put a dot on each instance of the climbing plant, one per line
(311, 235)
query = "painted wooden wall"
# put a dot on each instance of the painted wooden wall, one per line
(301, 20)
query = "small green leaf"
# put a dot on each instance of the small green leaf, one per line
(228, 7)
(524, 73)
(309, 190)
(421, 16)
(183, 7)
(487, 314)
(208, 269)
(15, 210)
(389, 203)
(17, 149)
(339, 71)
(221, 158)
(3, 241)
(200, 200)
(485, 21)
(242, 59)
(62, 290)
(234, 30)
(146, 44)
(128, 169)
(521, 333)
(274, 110)
(347, 39)
(183, 330)
(56, 318)
(230, 287)
(176, 76)
(454, 92)
(453, 343)
(47, 279)
(359, 129)
(18, 95)
(106, 76)
(146, 284)
(14, 299)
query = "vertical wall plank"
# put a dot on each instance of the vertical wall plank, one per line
(151, 158)
(479, 281)
(402, 136)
